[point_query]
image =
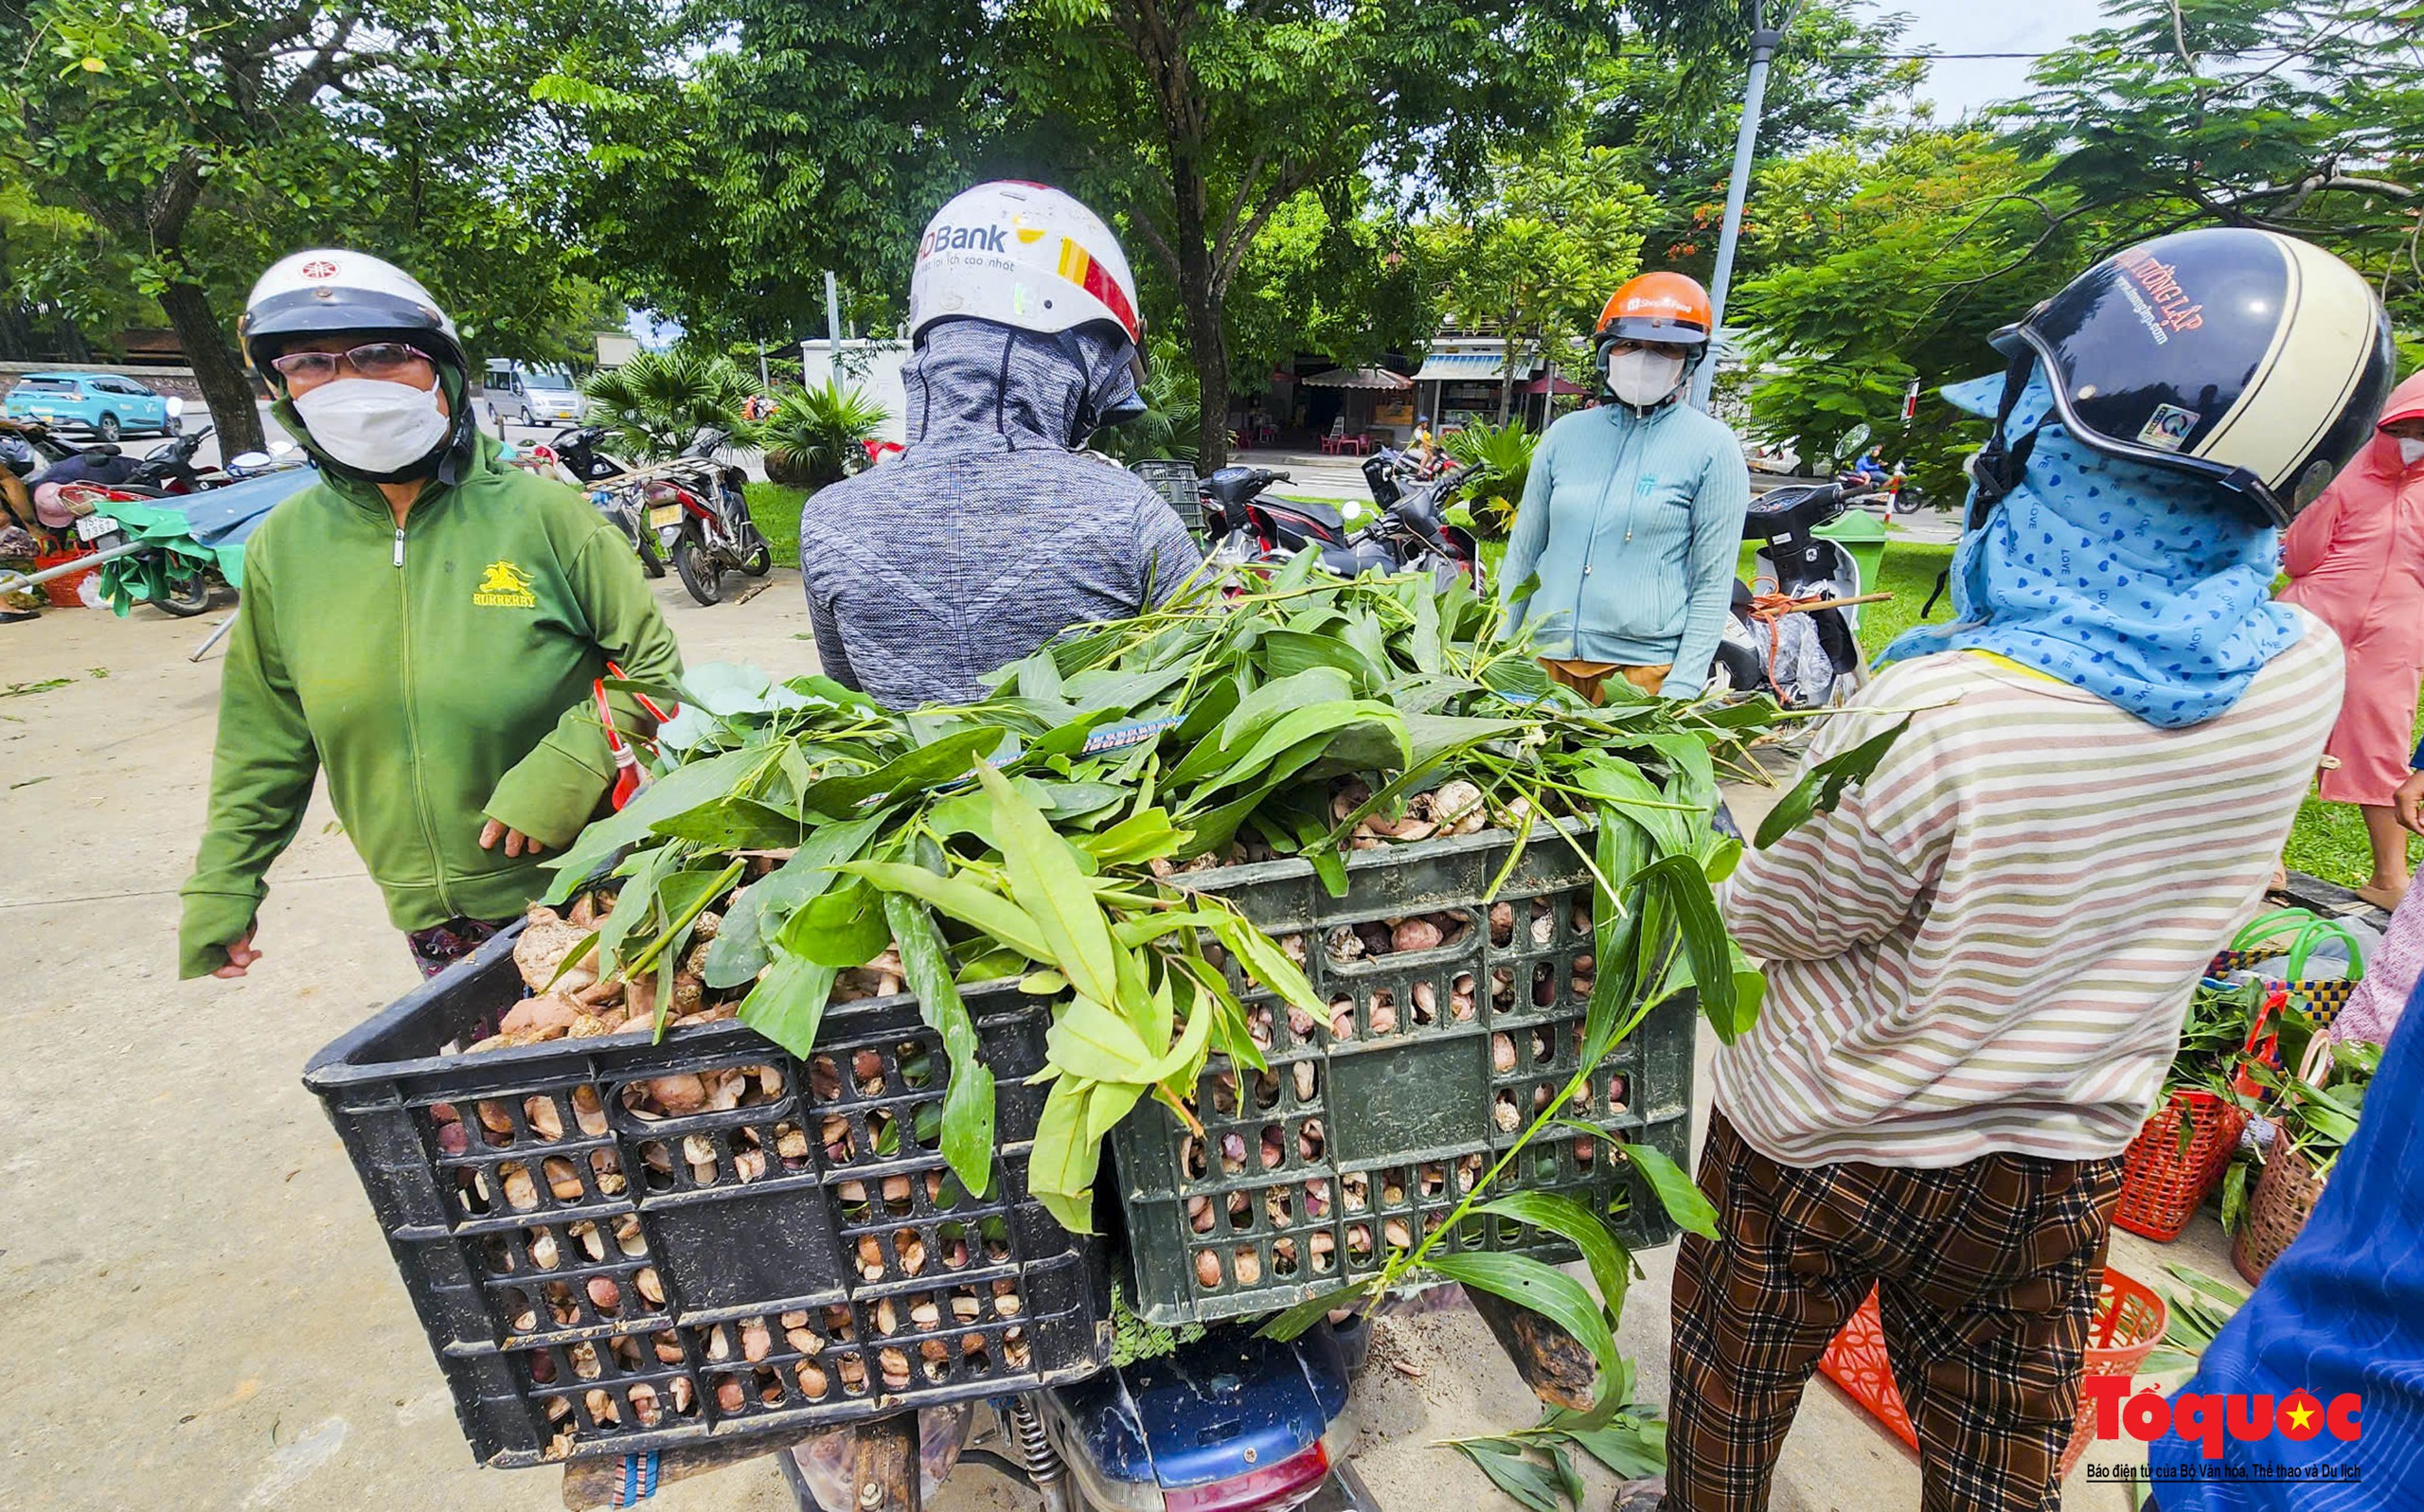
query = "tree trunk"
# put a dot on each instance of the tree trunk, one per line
(1200, 301)
(216, 368)
(1212, 383)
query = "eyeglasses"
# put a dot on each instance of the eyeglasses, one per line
(376, 359)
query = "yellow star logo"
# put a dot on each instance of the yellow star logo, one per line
(2300, 1415)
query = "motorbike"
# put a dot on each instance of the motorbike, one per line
(574, 455)
(1409, 532)
(1901, 496)
(1226, 495)
(166, 549)
(1799, 638)
(1406, 467)
(169, 468)
(700, 515)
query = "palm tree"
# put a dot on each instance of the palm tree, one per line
(1505, 454)
(657, 401)
(813, 437)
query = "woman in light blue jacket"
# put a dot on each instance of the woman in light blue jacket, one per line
(1632, 516)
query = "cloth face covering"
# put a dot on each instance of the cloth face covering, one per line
(372, 424)
(1644, 378)
(2147, 588)
(2411, 450)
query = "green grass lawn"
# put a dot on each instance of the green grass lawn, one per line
(775, 507)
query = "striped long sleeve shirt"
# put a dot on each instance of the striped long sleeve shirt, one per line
(1990, 945)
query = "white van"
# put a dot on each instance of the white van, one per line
(541, 397)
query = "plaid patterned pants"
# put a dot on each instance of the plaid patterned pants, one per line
(1986, 1277)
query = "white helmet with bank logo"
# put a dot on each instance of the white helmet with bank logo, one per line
(1025, 256)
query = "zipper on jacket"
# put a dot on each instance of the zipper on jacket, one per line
(1591, 538)
(412, 731)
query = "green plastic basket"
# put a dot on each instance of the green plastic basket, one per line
(1356, 1144)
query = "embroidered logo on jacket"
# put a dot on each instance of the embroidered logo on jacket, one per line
(505, 586)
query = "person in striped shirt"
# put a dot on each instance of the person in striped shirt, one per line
(1977, 965)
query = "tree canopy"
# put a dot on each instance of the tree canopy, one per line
(194, 145)
(1288, 177)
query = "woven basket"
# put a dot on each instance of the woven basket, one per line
(2285, 1194)
(2162, 1184)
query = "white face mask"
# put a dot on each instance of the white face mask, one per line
(1643, 377)
(2411, 450)
(372, 424)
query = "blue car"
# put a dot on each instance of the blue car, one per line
(106, 404)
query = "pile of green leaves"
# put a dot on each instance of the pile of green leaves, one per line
(2195, 1316)
(2213, 1038)
(1145, 741)
(2319, 1117)
(1042, 834)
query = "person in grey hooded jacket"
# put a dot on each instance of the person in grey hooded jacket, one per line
(993, 532)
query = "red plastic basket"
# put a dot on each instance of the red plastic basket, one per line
(2130, 1321)
(1856, 1362)
(2161, 1183)
(2129, 1318)
(61, 590)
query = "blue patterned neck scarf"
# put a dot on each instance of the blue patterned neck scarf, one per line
(2147, 588)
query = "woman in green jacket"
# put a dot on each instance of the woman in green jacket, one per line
(426, 623)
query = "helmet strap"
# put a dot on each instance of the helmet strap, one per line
(1997, 467)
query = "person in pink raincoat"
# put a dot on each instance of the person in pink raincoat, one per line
(2356, 559)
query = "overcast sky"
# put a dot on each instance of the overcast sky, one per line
(1987, 26)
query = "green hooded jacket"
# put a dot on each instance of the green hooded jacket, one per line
(442, 676)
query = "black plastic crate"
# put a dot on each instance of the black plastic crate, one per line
(597, 1281)
(1175, 482)
(1368, 1130)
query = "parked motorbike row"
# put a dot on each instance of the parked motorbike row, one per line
(1410, 533)
(91, 490)
(692, 512)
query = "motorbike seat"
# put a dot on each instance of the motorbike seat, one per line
(1316, 512)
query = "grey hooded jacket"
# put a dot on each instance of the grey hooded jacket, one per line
(990, 535)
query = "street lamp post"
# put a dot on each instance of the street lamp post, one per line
(1763, 48)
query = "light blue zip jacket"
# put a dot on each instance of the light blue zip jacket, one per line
(1633, 524)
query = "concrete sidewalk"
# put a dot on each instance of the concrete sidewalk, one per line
(204, 1309)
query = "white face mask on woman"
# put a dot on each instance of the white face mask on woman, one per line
(2411, 450)
(372, 424)
(1643, 377)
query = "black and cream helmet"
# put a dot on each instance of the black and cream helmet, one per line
(2251, 359)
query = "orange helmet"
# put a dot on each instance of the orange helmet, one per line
(1670, 308)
